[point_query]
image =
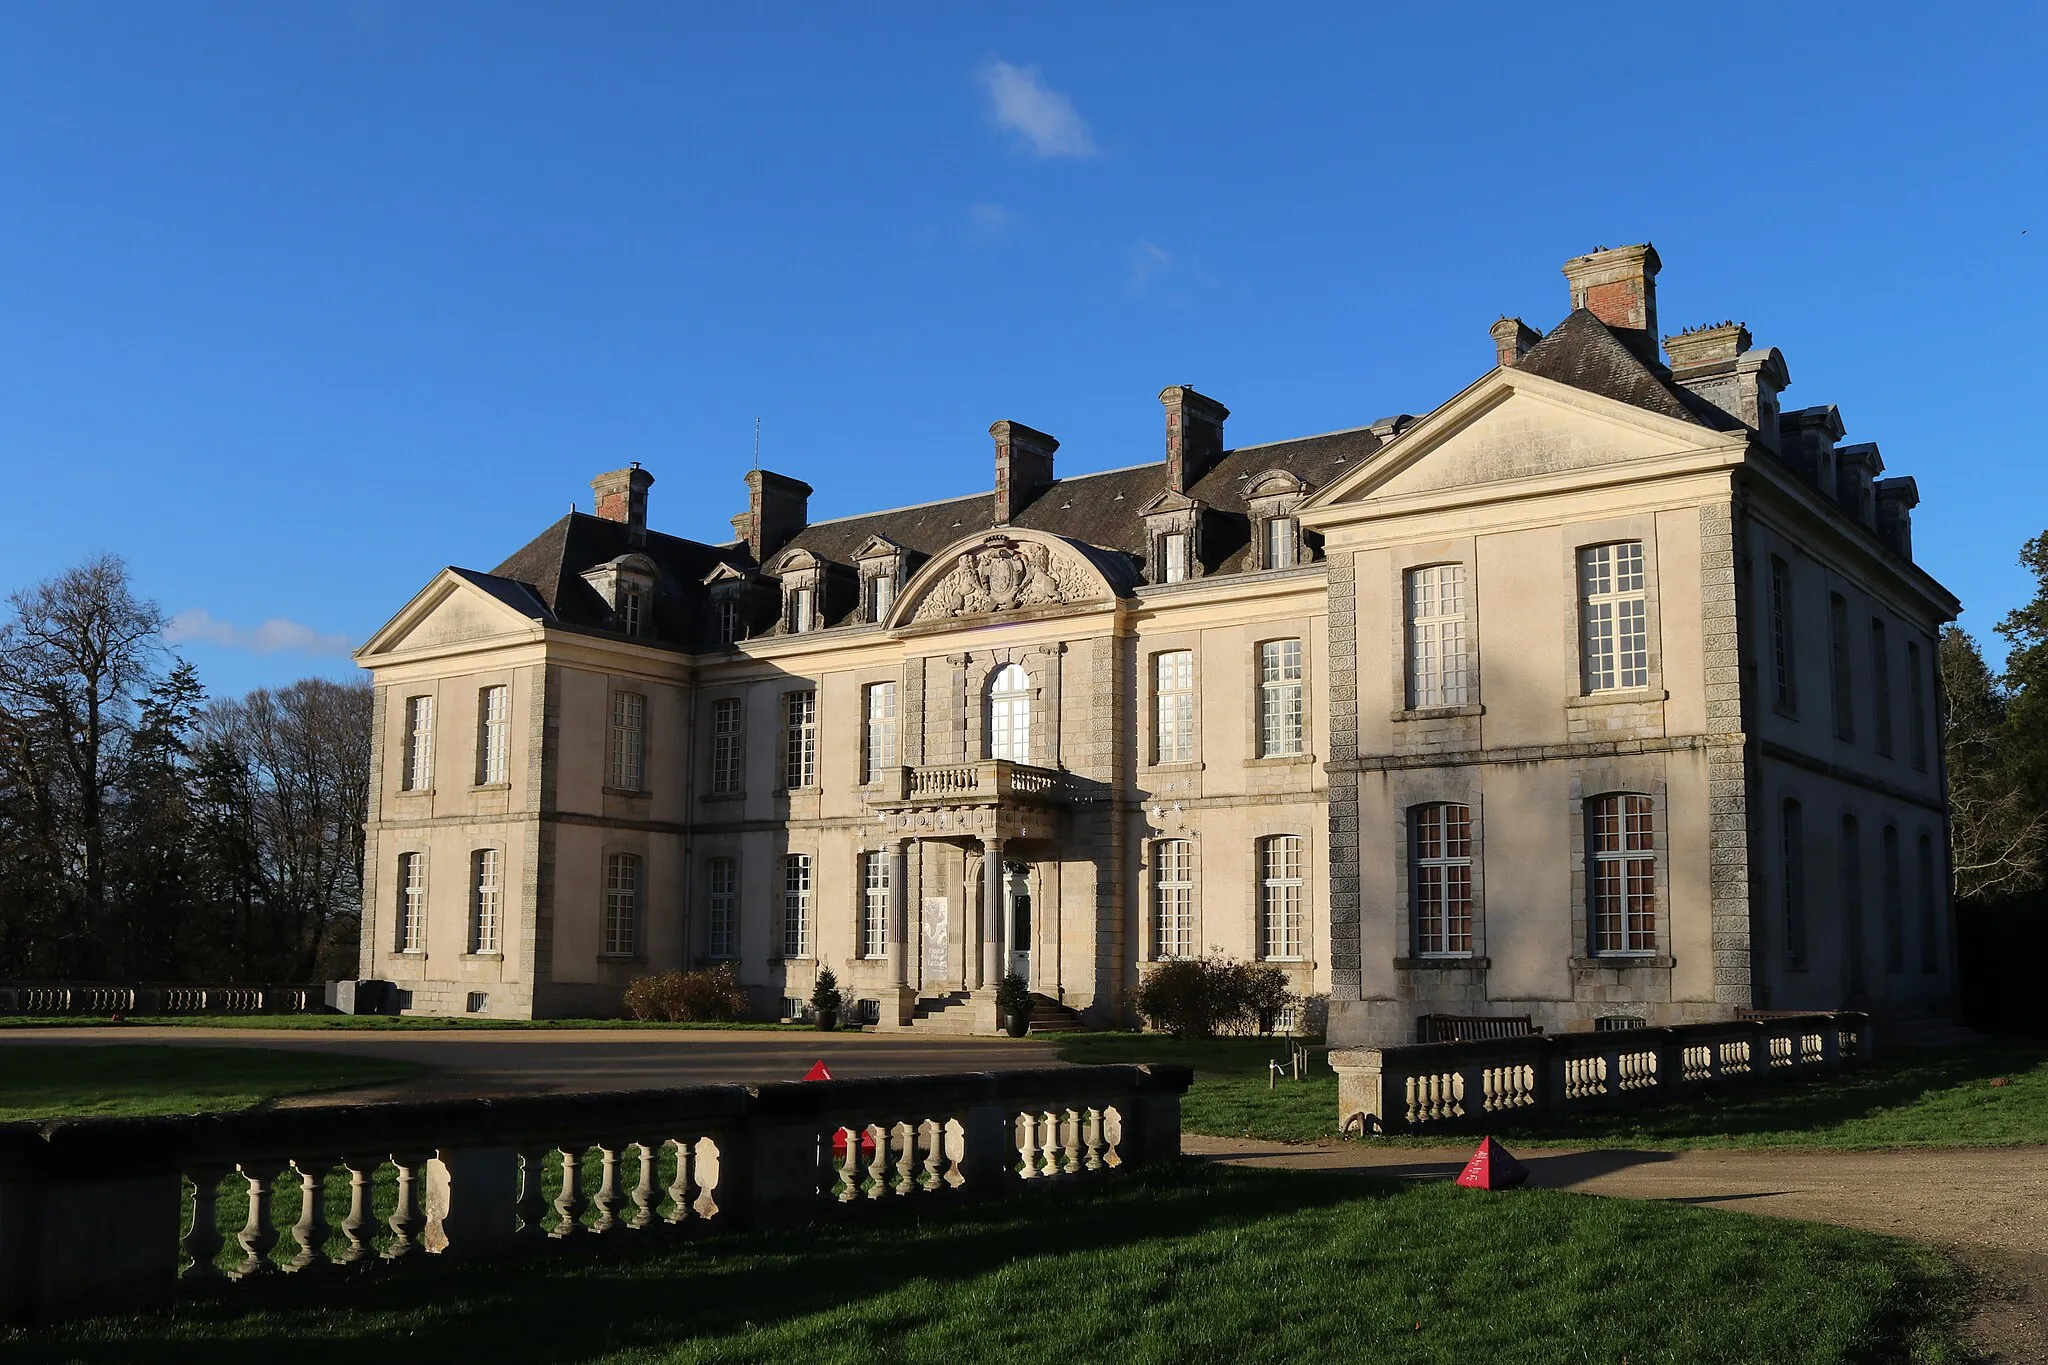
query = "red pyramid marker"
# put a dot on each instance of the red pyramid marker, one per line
(818, 1071)
(1492, 1167)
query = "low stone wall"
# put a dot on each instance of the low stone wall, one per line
(1454, 1086)
(90, 1208)
(93, 997)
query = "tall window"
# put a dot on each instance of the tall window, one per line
(1792, 884)
(1782, 682)
(1916, 707)
(1930, 923)
(881, 596)
(799, 739)
(1009, 714)
(1173, 899)
(629, 740)
(1280, 910)
(1838, 667)
(803, 611)
(1281, 543)
(1851, 887)
(796, 905)
(1440, 879)
(1175, 551)
(1280, 712)
(419, 743)
(1437, 670)
(881, 725)
(728, 619)
(1880, 690)
(493, 735)
(721, 907)
(412, 902)
(1894, 901)
(874, 894)
(1173, 707)
(1622, 843)
(727, 753)
(632, 608)
(1614, 610)
(486, 900)
(621, 905)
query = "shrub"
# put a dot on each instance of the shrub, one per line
(1013, 996)
(1204, 996)
(712, 995)
(825, 996)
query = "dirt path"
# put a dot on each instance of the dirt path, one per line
(1988, 1206)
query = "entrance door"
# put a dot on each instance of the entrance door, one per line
(1017, 897)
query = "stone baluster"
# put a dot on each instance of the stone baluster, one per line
(1093, 1138)
(904, 1138)
(259, 1231)
(1025, 1145)
(533, 1200)
(407, 1218)
(203, 1241)
(607, 1201)
(644, 1188)
(849, 1164)
(878, 1164)
(569, 1203)
(362, 1173)
(682, 1191)
(310, 1232)
(1070, 1142)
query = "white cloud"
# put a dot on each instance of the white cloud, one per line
(1149, 260)
(275, 636)
(988, 223)
(1045, 119)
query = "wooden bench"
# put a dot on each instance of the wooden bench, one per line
(1473, 1028)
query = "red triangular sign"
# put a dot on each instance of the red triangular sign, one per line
(1492, 1167)
(818, 1071)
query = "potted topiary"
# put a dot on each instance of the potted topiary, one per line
(1013, 1005)
(826, 1001)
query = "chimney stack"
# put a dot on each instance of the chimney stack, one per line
(777, 508)
(1618, 285)
(1715, 363)
(1023, 467)
(1512, 339)
(1194, 435)
(1896, 499)
(622, 496)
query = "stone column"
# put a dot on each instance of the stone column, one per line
(994, 934)
(899, 914)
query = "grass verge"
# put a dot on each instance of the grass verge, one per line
(1911, 1097)
(1189, 1262)
(125, 1079)
(345, 1023)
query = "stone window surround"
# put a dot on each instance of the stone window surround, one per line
(624, 841)
(736, 591)
(404, 748)
(1587, 535)
(1148, 866)
(1041, 666)
(1314, 855)
(1292, 628)
(1185, 521)
(797, 571)
(858, 881)
(1635, 774)
(635, 569)
(398, 858)
(1150, 648)
(469, 952)
(1421, 555)
(612, 695)
(1282, 500)
(1428, 787)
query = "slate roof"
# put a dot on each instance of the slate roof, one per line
(1581, 351)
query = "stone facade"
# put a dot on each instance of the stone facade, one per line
(1078, 725)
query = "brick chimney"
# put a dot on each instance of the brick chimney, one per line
(622, 496)
(777, 508)
(1023, 467)
(1715, 364)
(1194, 435)
(1618, 285)
(1512, 339)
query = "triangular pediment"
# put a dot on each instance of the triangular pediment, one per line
(1509, 428)
(1170, 501)
(457, 608)
(726, 573)
(877, 547)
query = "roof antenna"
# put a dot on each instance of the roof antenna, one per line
(757, 444)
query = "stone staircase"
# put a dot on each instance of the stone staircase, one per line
(967, 1014)
(951, 1014)
(1050, 1016)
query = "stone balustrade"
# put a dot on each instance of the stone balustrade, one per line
(90, 1209)
(1498, 1082)
(90, 997)
(992, 779)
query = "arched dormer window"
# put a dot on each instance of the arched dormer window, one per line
(627, 586)
(1009, 714)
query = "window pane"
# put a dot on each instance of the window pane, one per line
(1174, 707)
(1437, 665)
(628, 748)
(1614, 617)
(487, 897)
(621, 904)
(796, 905)
(800, 740)
(721, 906)
(1280, 699)
(1173, 899)
(881, 729)
(727, 757)
(1281, 896)
(1440, 879)
(1622, 879)
(1009, 715)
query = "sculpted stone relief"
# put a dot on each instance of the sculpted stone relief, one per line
(1002, 574)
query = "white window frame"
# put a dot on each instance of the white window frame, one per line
(878, 744)
(1632, 862)
(1614, 615)
(881, 596)
(1009, 714)
(797, 885)
(1439, 636)
(721, 908)
(1173, 899)
(1175, 553)
(1282, 891)
(418, 775)
(412, 903)
(629, 741)
(622, 890)
(874, 918)
(803, 610)
(1282, 543)
(486, 900)
(1440, 890)
(728, 746)
(493, 735)
(799, 739)
(1282, 722)
(632, 607)
(1173, 706)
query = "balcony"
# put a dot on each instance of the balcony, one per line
(992, 796)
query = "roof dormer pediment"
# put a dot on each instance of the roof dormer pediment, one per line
(1170, 501)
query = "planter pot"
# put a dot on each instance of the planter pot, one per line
(1017, 1025)
(827, 1020)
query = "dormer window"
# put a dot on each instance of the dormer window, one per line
(627, 586)
(803, 610)
(1282, 543)
(1174, 550)
(1271, 499)
(881, 596)
(879, 561)
(632, 607)
(730, 629)
(1173, 528)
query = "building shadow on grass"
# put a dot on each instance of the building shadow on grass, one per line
(653, 1291)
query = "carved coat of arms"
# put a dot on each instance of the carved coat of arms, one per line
(1001, 574)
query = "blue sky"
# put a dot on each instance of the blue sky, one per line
(299, 303)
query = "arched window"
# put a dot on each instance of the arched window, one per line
(1009, 714)
(1440, 879)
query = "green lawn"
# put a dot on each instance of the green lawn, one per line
(39, 1082)
(1187, 1263)
(349, 1022)
(1912, 1097)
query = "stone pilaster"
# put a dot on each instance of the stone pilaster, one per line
(1732, 874)
(1346, 923)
